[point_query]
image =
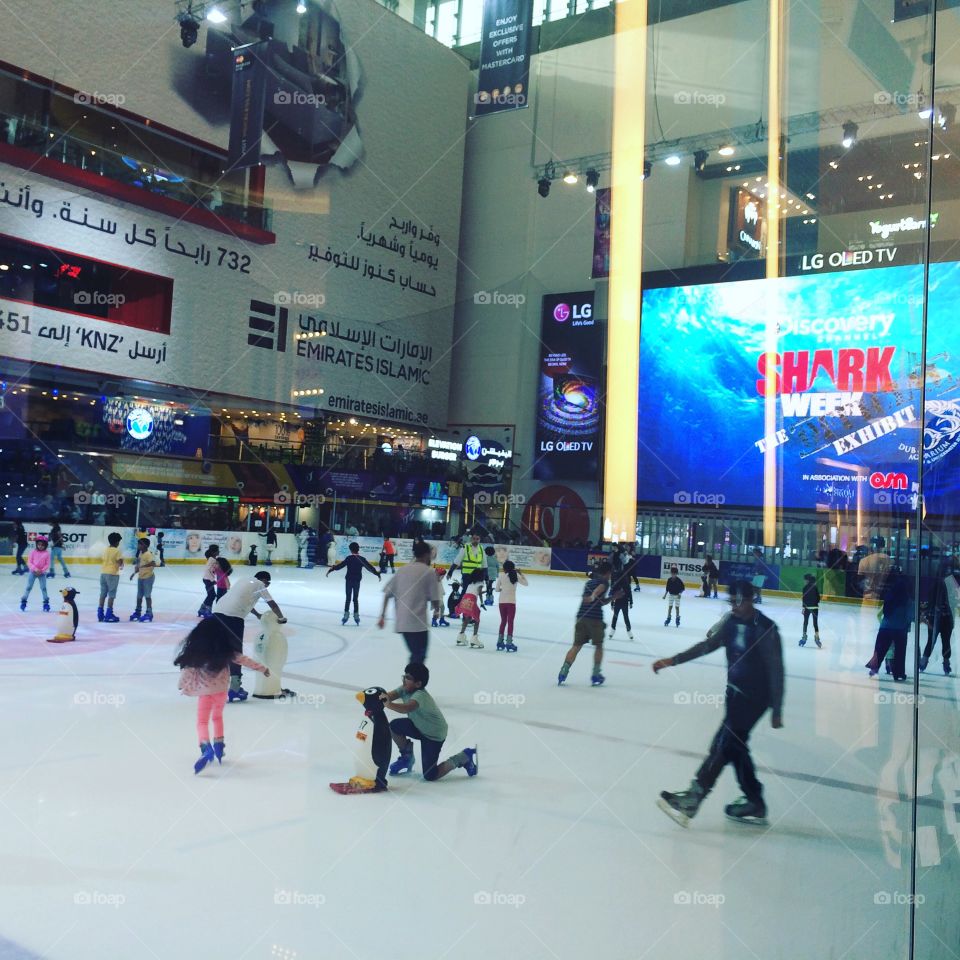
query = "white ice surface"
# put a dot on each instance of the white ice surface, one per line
(111, 846)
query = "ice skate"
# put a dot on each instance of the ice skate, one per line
(747, 811)
(444, 622)
(23, 604)
(147, 617)
(356, 619)
(922, 665)
(403, 764)
(666, 622)
(110, 617)
(803, 640)
(564, 673)
(206, 755)
(511, 646)
(434, 622)
(597, 679)
(46, 605)
(816, 640)
(501, 644)
(678, 621)
(134, 616)
(218, 750)
(683, 805)
(476, 643)
(238, 694)
(471, 764)
(100, 614)
(629, 635)
(946, 668)
(461, 640)
(346, 617)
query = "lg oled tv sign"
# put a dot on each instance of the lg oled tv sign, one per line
(568, 401)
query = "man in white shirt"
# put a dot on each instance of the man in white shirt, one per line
(232, 610)
(412, 588)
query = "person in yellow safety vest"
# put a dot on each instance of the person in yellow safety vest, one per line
(470, 559)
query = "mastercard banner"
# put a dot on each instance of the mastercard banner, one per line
(568, 399)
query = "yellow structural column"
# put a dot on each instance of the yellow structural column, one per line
(626, 249)
(776, 155)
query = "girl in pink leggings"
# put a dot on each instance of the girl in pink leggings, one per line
(507, 588)
(204, 661)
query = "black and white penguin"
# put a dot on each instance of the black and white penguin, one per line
(67, 629)
(373, 744)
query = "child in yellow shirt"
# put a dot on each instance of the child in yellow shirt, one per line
(144, 567)
(112, 564)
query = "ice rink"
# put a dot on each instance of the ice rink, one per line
(112, 847)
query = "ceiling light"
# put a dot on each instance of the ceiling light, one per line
(301, 7)
(810, 196)
(593, 178)
(570, 177)
(672, 161)
(216, 15)
(700, 160)
(726, 150)
(647, 170)
(189, 28)
(849, 134)
(543, 186)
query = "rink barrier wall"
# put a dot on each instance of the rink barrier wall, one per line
(85, 543)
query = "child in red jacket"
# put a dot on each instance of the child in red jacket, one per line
(469, 609)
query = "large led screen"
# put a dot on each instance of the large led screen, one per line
(848, 390)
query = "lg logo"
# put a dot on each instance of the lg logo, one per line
(563, 312)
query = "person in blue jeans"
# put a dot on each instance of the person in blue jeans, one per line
(894, 626)
(422, 721)
(56, 551)
(355, 565)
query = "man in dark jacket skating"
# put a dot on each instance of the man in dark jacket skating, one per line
(754, 684)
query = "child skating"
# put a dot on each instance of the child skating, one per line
(673, 590)
(209, 578)
(38, 563)
(621, 606)
(507, 588)
(811, 608)
(224, 569)
(354, 565)
(111, 563)
(589, 626)
(469, 609)
(143, 569)
(204, 660)
(493, 571)
(754, 685)
(441, 620)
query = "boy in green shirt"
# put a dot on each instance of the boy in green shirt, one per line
(423, 721)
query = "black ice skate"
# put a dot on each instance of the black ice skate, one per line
(747, 811)
(683, 805)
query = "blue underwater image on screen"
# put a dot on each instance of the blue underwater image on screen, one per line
(846, 378)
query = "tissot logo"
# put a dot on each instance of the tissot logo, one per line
(278, 327)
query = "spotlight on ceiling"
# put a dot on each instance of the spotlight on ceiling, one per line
(849, 134)
(570, 177)
(726, 151)
(301, 7)
(672, 161)
(216, 15)
(699, 160)
(647, 170)
(189, 28)
(593, 178)
(543, 186)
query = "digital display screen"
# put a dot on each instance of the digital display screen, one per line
(847, 380)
